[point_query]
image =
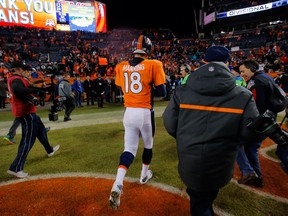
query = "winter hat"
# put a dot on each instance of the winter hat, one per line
(217, 53)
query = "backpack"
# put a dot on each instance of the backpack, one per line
(278, 99)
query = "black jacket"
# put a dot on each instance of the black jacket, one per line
(88, 86)
(259, 86)
(99, 85)
(208, 117)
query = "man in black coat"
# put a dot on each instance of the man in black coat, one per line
(88, 87)
(99, 86)
(208, 117)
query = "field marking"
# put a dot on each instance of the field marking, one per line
(158, 112)
(264, 151)
(161, 186)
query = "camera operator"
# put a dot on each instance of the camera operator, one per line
(64, 91)
(259, 84)
(24, 107)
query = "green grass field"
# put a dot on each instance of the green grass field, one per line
(97, 148)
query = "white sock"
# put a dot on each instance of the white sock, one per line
(121, 172)
(144, 171)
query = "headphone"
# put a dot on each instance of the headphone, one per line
(252, 65)
(253, 69)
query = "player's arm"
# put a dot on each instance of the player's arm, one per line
(159, 79)
(160, 91)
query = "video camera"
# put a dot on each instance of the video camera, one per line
(53, 69)
(266, 124)
(57, 106)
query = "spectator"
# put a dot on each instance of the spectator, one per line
(77, 88)
(240, 81)
(107, 89)
(88, 87)
(138, 118)
(99, 86)
(207, 116)
(276, 66)
(3, 93)
(34, 74)
(185, 71)
(283, 81)
(32, 125)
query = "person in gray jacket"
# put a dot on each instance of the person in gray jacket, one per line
(66, 95)
(208, 117)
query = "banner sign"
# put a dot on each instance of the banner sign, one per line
(254, 9)
(61, 15)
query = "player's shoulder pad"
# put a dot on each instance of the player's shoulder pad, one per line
(153, 61)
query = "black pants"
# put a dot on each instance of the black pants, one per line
(69, 105)
(201, 202)
(99, 99)
(32, 128)
(2, 102)
(89, 97)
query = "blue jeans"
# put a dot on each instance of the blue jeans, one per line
(78, 98)
(248, 159)
(243, 162)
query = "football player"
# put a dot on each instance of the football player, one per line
(140, 80)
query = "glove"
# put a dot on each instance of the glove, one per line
(41, 93)
(32, 100)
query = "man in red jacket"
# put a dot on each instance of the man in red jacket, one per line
(23, 103)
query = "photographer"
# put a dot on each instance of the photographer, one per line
(66, 95)
(259, 83)
(24, 108)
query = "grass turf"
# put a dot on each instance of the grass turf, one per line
(97, 149)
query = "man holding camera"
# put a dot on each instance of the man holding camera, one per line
(260, 84)
(64, 91)
(23, 103)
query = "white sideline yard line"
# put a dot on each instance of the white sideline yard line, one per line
(263, 152)
(261, 193)
(160, 186)
(80, 120)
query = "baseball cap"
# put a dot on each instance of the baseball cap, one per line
(20, 64)
(217, 53)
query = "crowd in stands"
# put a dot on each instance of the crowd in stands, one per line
(87, 54)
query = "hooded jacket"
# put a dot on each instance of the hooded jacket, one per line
(208, 117)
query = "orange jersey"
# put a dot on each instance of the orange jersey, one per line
(137, 81)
